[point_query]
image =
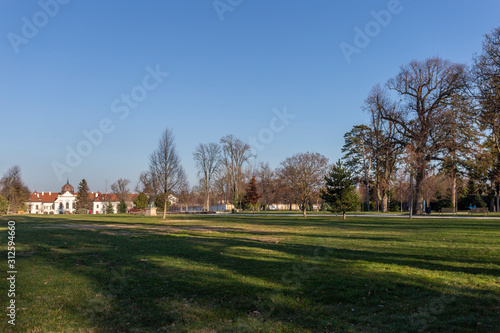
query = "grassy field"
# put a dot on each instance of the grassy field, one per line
(245, 274)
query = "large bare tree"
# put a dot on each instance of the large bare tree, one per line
(120, 188)
(486, 72)
(208, 160)
(426, 89)
(13, 189)
(386, 143)
(266, 184)
(303, 174)
(166, 169)
(235, 153)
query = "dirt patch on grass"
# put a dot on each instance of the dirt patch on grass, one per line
(129, 229)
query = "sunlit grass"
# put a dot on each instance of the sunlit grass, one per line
(121, 273)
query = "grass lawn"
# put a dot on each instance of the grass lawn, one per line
(253, 274)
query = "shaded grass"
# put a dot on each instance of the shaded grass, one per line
(242, 274)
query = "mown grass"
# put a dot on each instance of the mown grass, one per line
(264, 274)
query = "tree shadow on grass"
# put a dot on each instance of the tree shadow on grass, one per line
(194, 282)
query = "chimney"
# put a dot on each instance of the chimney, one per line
(50, 193)
(42, 192)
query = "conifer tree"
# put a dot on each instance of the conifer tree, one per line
(340, 191)
(252, 196)
(83, 201)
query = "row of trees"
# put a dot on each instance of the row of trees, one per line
(434, 116)
(226, 176)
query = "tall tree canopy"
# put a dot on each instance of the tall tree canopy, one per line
(427, 90)
(208, 161)
(235, 153)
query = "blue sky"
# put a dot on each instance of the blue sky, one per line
(226, 76)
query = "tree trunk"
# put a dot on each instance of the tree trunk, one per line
(498, 198)
(367, 196)
(454, 188)
(419, 187)
(208, 202)
(385, 200)
(343, 215)
(304, 212)
(164, 209)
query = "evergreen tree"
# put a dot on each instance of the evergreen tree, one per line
(161, 203)
(109, 208)
(83, 201)
(252, 196)
(122, 207)
(340, 191)
(142, 200)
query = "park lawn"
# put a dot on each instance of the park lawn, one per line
(201, 273)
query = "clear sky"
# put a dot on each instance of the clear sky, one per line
(68, 67)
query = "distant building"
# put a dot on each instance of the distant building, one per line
(64, 202)
(100, 202)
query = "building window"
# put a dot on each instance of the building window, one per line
(97, 206)
(67, 205)
(36, 206)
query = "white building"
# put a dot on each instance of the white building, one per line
(63, 202)
(102, 200)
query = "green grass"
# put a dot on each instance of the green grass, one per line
(244, 274)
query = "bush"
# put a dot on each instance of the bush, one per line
(81, 211)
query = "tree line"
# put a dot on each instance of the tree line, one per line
(432, 135)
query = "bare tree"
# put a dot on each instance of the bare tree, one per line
(266, 184)
(146, 184)
(166, 169)
(426, 89)
(386, 143)
(208, 161)
(304, 174)
(235, 153)
(13, 189)
(120, 188)
(486, 71)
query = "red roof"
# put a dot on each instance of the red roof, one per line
(114, 197)
(43, 197)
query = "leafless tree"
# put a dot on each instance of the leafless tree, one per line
(303, 174)
(208, 161)
(426, 89)
(235, 153)
(146, 184)
(486, 75)
(120, 188)
(386, 143)
(13, 189)
(266, 184)
(166, 169)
